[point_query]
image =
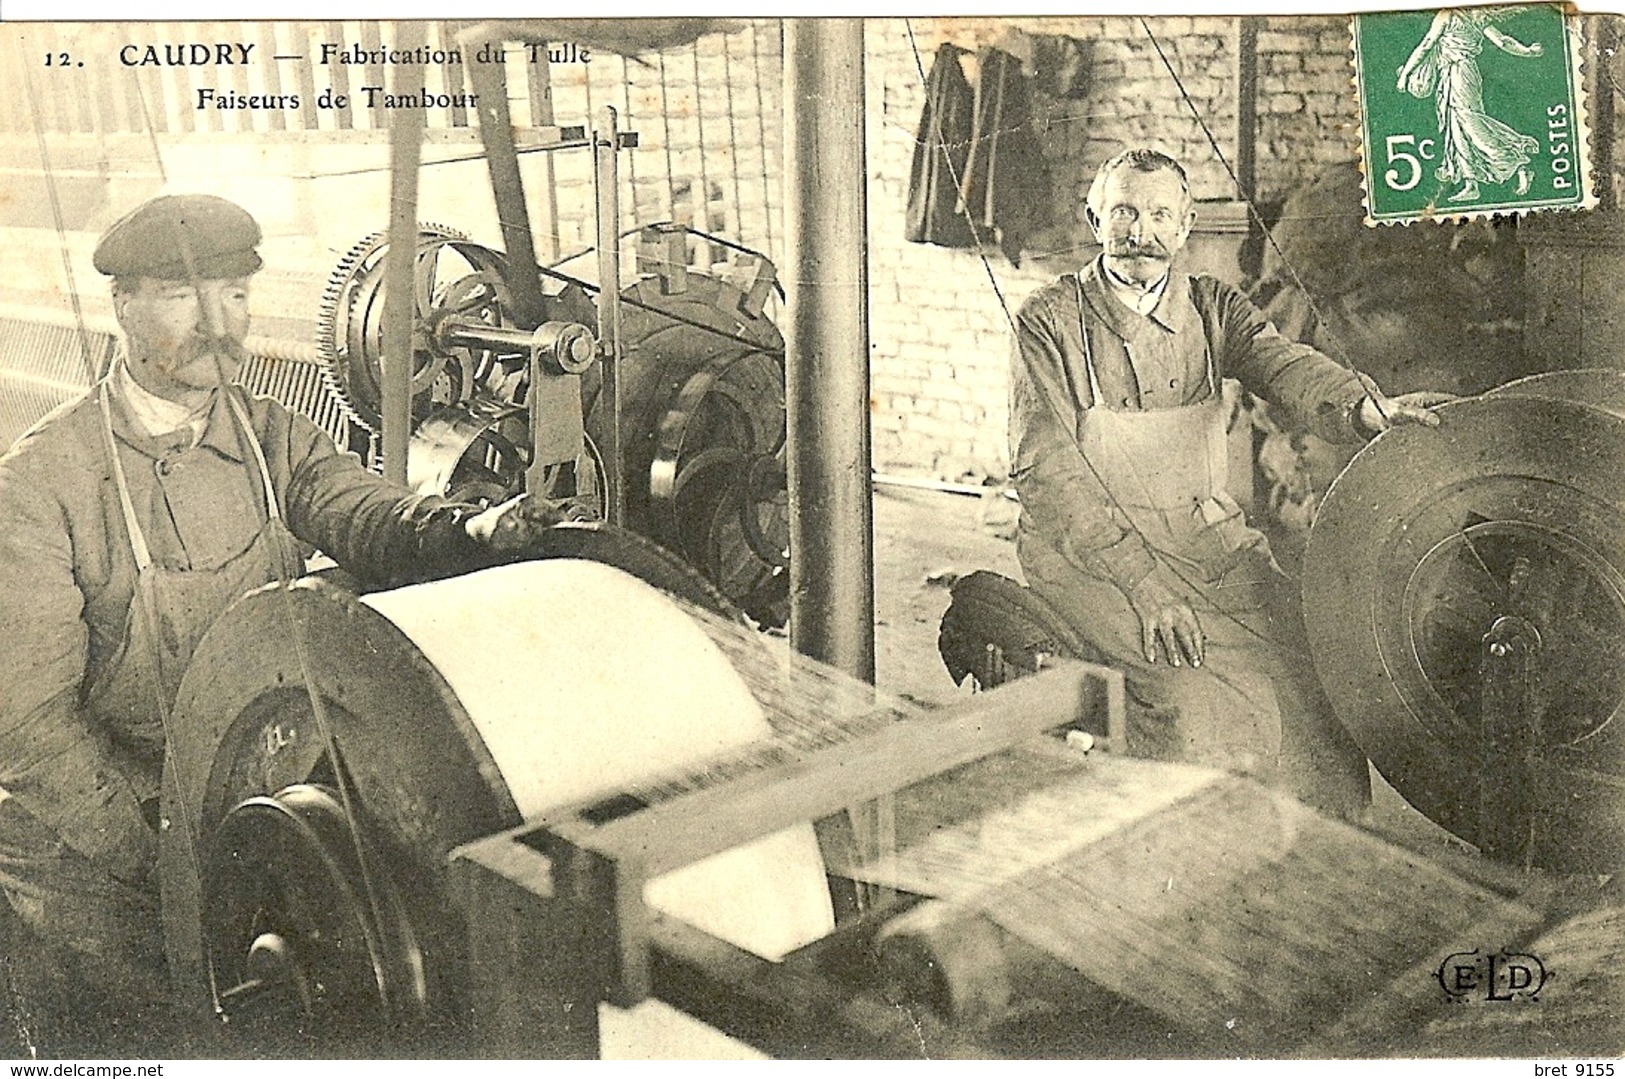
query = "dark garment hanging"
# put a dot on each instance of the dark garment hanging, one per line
(1005, 184)
(1061, 65)
(940, 151)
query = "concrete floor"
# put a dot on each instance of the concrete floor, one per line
(923, 540)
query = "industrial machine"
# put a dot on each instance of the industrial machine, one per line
(1465, 599)
(503, 401)
(505, 812)
(382, 839)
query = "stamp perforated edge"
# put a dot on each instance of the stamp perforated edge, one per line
(1574, 47)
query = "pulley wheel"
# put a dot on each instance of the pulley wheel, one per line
(308, 945)
(322, 770)
(1436, 556)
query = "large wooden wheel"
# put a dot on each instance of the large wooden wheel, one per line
(330, 750)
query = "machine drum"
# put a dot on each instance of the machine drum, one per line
(331, 750)
(1464, 592)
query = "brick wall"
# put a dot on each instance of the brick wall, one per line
(1307, 113)
(940, 335)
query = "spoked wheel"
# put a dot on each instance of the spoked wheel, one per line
(1464, 592)
(310, 949)
(453, 277)
(702, 404)
(717, 489)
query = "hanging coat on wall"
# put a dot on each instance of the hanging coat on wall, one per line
(1005, 184)
(940, 151)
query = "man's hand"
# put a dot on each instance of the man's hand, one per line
(1378, 412)
(1165, 617)
(516, 523)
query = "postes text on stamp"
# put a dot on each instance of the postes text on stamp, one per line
(1470, 111)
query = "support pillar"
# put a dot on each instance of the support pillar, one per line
(827, 323)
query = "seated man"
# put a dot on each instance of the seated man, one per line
(129, 520)
(1118, 449)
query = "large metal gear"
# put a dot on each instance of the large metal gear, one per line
(1464, 592)
(453, 277)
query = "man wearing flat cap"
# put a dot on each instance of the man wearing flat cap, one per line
(129, 520)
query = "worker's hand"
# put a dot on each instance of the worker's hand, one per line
(1379, 412)
(1166, 619)
(516, 523)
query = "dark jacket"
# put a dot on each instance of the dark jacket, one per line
(940, 150)
(1049, 390)
(68, 576)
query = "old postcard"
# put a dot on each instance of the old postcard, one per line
(1070, 536)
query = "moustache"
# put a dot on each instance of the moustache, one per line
(1130, 249)
(198, 347)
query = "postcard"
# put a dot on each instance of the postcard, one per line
(1066, 536)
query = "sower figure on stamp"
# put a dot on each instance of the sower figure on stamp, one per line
(129, 520)
(1475, 147)
(1118, 450)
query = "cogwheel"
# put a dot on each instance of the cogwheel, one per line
(340, 351)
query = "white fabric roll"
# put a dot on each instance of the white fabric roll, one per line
(582, 679)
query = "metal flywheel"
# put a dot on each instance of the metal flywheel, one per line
(1464, 592)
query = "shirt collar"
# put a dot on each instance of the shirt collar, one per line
(1141, 299)
(1173, 309)
(158, 426)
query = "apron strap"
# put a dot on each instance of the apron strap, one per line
(272, 510)
(1096, 398)
(138, 539)
(1212, 372)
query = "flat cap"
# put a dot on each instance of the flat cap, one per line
(178, 236)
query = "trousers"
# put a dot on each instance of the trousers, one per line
(1255, 706)
(87, 975)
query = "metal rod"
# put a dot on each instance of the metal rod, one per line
(827, 359)
(467, 333)
(490, 81)
(395, 391)
(607, 185)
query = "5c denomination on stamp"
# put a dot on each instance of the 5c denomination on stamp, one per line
(1470, 111)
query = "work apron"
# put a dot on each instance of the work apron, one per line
(1166, 472)
(106, 931)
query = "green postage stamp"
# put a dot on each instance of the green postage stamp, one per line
(1470, 111)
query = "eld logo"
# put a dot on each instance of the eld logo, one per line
(1497, 976)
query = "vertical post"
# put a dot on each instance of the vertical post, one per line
(540, 79)
(1247, 109)
(405, 135)
(607, 187)
(827, 318)
(490, 81)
